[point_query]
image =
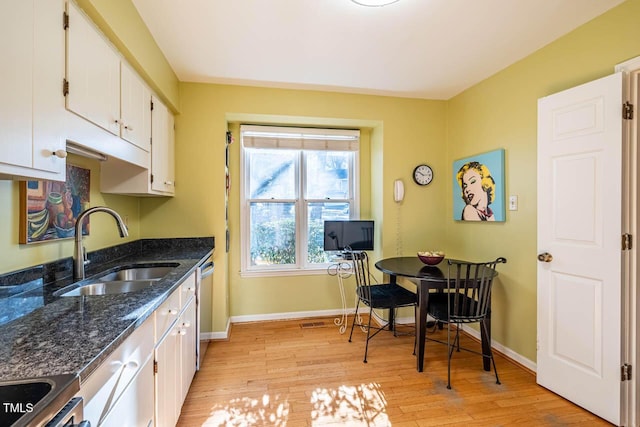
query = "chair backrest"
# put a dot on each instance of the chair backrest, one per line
(470, 284)
(360, 262)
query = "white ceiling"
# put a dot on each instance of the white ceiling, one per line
(431, 49)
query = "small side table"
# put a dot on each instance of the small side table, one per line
(342, 269)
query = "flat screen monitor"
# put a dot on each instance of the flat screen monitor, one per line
(354, 234)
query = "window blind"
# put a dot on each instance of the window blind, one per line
(300, 138)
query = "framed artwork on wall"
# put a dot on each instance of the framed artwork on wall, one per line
(49, 209)
(479, 188)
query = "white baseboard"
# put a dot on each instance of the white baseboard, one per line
(206, 336)
(529, 364)
(288, 316)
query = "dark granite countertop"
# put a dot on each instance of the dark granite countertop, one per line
(42, 334)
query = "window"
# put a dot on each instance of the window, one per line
(293, 180)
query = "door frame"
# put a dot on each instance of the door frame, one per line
(630, 221)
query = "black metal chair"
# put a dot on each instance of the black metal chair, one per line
(467, 299)
(376, 296)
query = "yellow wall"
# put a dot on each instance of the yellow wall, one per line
(501, 112)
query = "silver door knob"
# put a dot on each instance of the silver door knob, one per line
(545, 257)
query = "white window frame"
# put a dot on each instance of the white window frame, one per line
(301, 139)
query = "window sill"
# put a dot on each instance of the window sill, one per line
(312, 271)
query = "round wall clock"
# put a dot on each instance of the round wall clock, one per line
(423, 175)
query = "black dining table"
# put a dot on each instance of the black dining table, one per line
(428, 278)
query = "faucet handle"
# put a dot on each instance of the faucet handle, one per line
(85, 257)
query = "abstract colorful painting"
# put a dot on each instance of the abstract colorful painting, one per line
(478, 187)
(49, 209)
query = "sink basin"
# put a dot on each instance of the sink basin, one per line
(108, 288)
(137, 273)
(34, 401)
(129, 278)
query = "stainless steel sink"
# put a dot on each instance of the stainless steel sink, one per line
(108, 288)
(137, 273)
(125, 279)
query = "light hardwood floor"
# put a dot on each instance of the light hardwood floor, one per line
(283, 374)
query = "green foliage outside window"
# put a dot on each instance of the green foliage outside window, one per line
(274, 242)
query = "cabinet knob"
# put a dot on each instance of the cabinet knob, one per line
(186, 324)
(127, 127)
(168, 183)
(132, 364)
(182, 332)
(172, 311)
(189, 289)
(61, 154)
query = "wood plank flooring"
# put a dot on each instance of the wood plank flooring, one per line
(283, 374)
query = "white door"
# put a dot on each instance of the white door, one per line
(579, 227)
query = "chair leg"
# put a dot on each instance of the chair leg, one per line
(493, 360)
(366, 346)
(355, 320)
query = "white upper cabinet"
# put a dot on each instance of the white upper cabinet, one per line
(32, 111)
(157, 180)
(108, 104)
(135, 109)
(162, 149)
(93, 74)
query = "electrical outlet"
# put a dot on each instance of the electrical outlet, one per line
(513, 203)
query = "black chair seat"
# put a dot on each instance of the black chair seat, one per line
(386, 295)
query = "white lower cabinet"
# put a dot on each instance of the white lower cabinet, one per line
(175, 353)
(167, 382)
(188, 341)
(123, 380)
(136, 404)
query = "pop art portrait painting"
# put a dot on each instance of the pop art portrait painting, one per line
(478, 187)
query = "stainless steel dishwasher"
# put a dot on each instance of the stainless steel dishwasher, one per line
(204, 287)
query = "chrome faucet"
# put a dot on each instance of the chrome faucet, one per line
(79, 252)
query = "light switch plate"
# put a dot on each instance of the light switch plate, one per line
(513, 203)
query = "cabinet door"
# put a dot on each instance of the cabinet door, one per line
(93, 73)
(48, 106)
(162, 148)
(167, 379)
(135, 407)
(16, 52)
(188, 343)
(31, 121)
(135, 109)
